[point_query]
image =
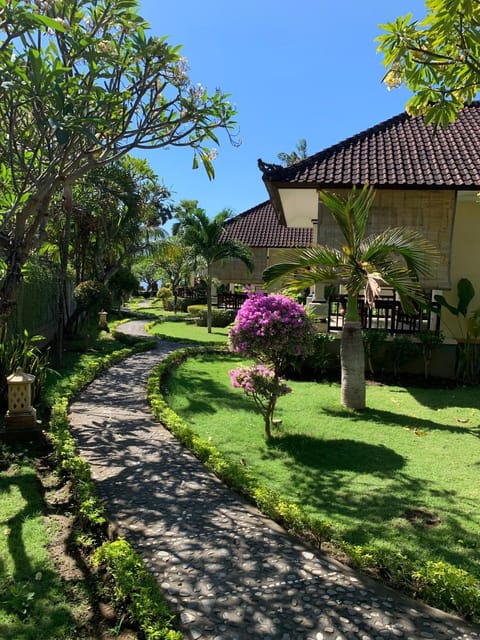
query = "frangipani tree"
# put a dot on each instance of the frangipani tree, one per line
(396, 258)
(437, 58)
(81, 85)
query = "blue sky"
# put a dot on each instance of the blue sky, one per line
(306, 69)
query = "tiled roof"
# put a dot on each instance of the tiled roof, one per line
(259, 227)
(402, 151)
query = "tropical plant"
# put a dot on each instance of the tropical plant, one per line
(272, 329)
(204, 236)
(437, 58)
(264, 387)
(175, 264)
(300, 153)
(83, 84)
(396, 257)
(468, 358)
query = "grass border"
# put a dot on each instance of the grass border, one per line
(438, 584)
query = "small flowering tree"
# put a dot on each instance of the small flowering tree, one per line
(263, 386)
(273, 329)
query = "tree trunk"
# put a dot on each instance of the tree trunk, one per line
(352, 357)
(209, 300)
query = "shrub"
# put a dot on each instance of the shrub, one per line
(135, 590)
(448, 587)
(273, 329)
(195, 309)
(182, 304)
(220, 317)
(20, 351)
(92, 296)
(318, 363)
(263, 386)
(122, 285)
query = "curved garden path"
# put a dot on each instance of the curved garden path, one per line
(229, 572)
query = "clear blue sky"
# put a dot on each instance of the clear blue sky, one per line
(306, 69)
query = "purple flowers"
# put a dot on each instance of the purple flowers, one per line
(263, 386)
(272, 329)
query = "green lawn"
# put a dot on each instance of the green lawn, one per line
(181, 330)
(33, 601)
(403, 474)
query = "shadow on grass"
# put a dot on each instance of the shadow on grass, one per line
(32, 602)
(392, 419)
(334, 455)
(321, 472)
(461, 397)
(203, 394)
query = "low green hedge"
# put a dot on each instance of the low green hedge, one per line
(220, 317)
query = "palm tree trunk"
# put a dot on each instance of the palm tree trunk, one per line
(209, 299)
(352, 358)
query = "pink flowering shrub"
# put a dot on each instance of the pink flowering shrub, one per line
(263, 386)
(273, 329)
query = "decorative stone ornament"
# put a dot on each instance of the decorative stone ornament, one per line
(20, 411)
(102, 320)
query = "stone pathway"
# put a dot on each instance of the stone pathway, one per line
(230, 573)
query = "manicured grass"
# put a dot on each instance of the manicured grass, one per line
(33, 603)
(185, 332)
(402, 475)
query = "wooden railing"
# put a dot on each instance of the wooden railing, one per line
(231, 300)
(386, 314)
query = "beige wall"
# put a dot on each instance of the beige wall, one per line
(234, 270)
(465, 259)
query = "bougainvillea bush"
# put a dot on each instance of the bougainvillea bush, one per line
(263, 386)
(273, 329)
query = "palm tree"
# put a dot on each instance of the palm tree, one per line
(203, 235)
(300, 153)
(396, 258)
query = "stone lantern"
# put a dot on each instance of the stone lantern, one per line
(102, 320)
(20, 412)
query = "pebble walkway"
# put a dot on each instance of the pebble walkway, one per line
(230, 573)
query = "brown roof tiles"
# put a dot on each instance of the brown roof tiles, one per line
(259, 227)
(402, 151)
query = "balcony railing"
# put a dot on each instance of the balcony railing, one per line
(231, 300)
(386, 314)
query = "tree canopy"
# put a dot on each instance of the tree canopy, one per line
(81, 85)
(437, 58)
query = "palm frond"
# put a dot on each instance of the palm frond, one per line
(350, 213)
(418, 253)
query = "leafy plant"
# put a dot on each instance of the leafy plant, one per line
(373, 341)
(133, 589)
(451, 588)
(263, 386)
(468, 358)
(400, 350)
(220, 317)
(429, 340)
(21, 351)
(92, 296)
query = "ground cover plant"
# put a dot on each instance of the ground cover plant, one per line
(397, 481)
